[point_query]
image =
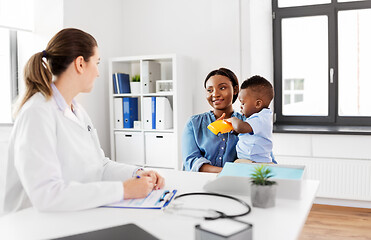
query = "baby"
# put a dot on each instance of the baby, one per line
(255, 133)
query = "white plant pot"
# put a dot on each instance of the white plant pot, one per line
(263, 196)
(135, 87)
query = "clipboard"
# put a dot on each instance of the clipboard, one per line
(157, 199)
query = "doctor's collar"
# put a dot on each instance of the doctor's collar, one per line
(59, 99)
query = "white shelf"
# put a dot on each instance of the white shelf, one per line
(127, 130)
(143, 130)
(126, 95)
(151, 147)
(158, 94)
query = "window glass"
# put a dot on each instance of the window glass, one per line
(305, 66)
(5, 78)
(295, 3)
(354, 62)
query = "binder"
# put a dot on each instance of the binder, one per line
(153, 111)
(118, 111)
(130, 109)
(164, 114)
(151, 71)
(116, 89)
(122, 81)
(157, 199)
(147, 113)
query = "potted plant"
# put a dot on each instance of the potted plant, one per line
(263, 190)
(135, 84)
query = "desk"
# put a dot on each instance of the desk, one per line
(284, 221)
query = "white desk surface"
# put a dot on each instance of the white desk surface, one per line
(284, 221)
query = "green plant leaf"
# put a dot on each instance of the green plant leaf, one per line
(135, 78)
(261, 175)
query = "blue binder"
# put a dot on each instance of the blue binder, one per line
(130, 110)
(153, 112)
(123, 82)
(115, 89)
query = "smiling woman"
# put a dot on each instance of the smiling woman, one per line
(202, 150)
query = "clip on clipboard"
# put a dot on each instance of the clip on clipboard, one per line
(157, 199)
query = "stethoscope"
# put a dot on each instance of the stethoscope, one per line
(216, 214)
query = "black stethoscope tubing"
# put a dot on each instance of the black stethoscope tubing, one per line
(221, 214)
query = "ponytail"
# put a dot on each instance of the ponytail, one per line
(38, 78)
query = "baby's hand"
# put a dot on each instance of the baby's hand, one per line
(235, 123)
(232, 120)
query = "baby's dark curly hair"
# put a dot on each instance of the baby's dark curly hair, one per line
(261, 86)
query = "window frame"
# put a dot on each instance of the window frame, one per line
(14, 64)
(14, 90)
(331, 11)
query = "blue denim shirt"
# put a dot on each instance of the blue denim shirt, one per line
(200, 145)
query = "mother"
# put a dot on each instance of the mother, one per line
(202, 150)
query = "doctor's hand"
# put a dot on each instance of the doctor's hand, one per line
(156, 178)
(138, 187)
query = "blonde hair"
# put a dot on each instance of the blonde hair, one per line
(61, 51)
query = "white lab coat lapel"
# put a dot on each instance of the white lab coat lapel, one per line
(70, 115)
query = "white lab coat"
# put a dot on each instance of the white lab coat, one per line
(56, 164)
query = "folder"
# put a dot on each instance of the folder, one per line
(235, 179)
(151, 71)
(157, 199)
(153, 111)
(119, 122)
(147, 113)
(164, 113)
(122, 81)
(278, 171)
(130, 109)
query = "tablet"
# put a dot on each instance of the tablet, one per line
(127, 231)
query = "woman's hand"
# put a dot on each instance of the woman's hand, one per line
(141, 186)
(210, 168)
(158, 180)
(221, 117)
(138, 187)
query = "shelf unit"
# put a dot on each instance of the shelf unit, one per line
(151, 147)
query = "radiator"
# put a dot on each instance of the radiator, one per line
(339, 178)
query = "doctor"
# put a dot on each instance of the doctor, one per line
(55, 160)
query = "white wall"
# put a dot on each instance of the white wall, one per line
(48, 20)
(103, 20)
(207, 32)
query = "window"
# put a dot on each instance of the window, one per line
(322, 63)
(8, 70)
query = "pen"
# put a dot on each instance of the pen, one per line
(168, 199)
(138, 176)
(163, 196)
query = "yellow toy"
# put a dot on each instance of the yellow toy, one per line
(221, 126)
